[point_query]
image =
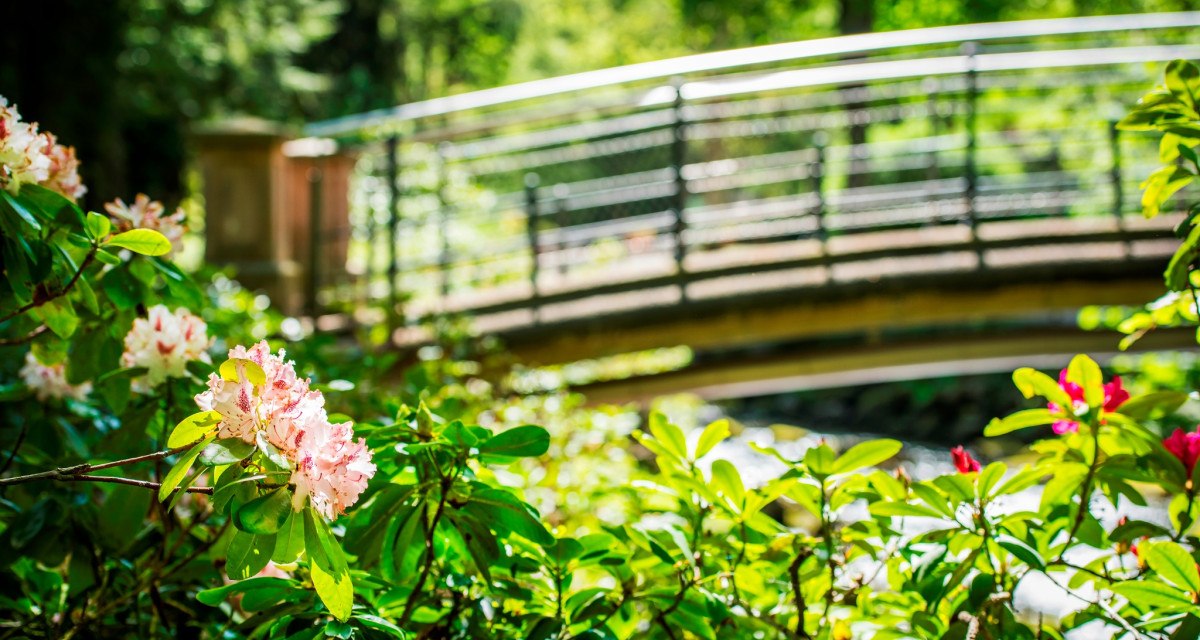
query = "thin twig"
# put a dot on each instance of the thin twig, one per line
(16, 446)
(1085, 495)
(430, 556)
(7, 342)
(37, 302)
(145, 484)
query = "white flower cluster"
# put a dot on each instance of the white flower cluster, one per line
(164, 342)
(145, 213)
(30, 157)
(49, 382)
(329, 468)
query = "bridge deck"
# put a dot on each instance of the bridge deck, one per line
(1032, 250)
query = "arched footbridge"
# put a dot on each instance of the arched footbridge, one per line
(861, 203)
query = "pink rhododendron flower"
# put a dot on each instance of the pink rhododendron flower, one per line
(50, 381)
(329, 469)
(1114, 397)
(23, 151)
(145, 213)
(332, 469)
(963, 460)
(164, 342)
(1184, 445)
(64, 170)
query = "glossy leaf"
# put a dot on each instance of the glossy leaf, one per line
(193, 428)
(519, 442)
(147, 242)
(866, 454)
(180, 469)
(267, 513)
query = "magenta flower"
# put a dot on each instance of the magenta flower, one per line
(963, 460)
(1114, 397)
(1184, 445)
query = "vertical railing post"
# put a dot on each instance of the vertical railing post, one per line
(443, 221)
(678, 159)
(393, 271)
(313, 283)
(932, 88)
(971, 49)
(1114, 138)
(531, 233)
(817, 172)
(562, 219)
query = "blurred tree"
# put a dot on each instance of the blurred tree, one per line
(122, 80)
(388, 51)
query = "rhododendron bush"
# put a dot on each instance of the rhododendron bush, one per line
(163, 476)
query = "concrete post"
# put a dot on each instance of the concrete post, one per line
(257, 206)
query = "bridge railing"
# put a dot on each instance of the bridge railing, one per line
(663, 175)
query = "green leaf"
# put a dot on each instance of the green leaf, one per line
(147, 242)
(193, 428)
(328, 566)
(1019, 420)
(247, 554)
(1022, 551)
(866, 454)
(1151, 404)
(668, 435)
(1174, 564)
(901, 509)
(59, 316)
(98, 226)
(1182, 79)
(988, 478)
(107, 257)
(21, 209)
(234, 369)
(819, 460)
(1160, 185)
(728, 481)
(1020, 481)
(1152, 595)
(266, 514)
(519, 442)
(712, 435)
(319, 543)
(289, 542)
(501, 507)
(214, 597)
(338, 629)
(225, 451)
(1031, 382)
(1179, 267)
(180, 469)
(1086, 373)
(379, 624)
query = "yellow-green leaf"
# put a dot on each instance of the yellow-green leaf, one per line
(193, 428)
(234, 368)
(335, 590)
(147, 242)
(1174, 564)
(177, 472)
(712, 435)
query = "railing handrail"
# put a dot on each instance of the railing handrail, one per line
(747, 57)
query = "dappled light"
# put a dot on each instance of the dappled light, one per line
(679, 320)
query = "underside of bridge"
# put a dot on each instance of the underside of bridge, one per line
(875, 329)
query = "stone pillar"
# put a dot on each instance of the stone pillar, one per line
(258, 206)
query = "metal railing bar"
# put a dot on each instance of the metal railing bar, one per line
(707, 62)
(621, 125)
(901, 69)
